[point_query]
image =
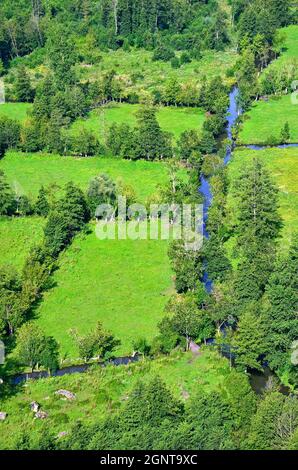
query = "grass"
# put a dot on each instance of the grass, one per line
(171, 119)
(282, 164)
(17, 236)
(30, 171)
(148, 74)
(124, 284)
(101, 392)
(16, 111)
(266, 120)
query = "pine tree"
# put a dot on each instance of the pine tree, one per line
(22, 88)
(285, 134)
(257, 197)
(250, 340)
(42, 206)
(6, 196)
(153, 143)
(282, 322)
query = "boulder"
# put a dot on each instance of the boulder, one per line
(66, 394)
(3, 416)
(34, 406)
(1, 382)
(41, 415)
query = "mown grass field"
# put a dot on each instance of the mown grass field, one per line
(17, 236)
(16, 111)
(171, 119)
(124, 284)
(282, 164)
(30, 171)
(101, 392)
(266, 119)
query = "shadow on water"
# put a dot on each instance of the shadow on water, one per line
(262, 381)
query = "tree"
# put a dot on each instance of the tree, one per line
(22, 88)
(187, 265)
(97, 342)
(185, 318)
(285, 134)
(9, 134)
(6, 196)
(218, 265)
(62, 56)
(12, 305)
(250, 341)
(42, 206)
(281, 317)
(102, 190)
(153, 143)
(35, 349)
(257, 196)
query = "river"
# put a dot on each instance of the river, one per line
(258, 380)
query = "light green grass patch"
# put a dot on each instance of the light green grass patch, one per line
(124, 284)
(171, 119)
(30, 171)
(266, 119)
(16, 111)
(101, 392)
(148, 74)
(282, 164)
(17, 236)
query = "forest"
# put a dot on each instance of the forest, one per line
(169, 103)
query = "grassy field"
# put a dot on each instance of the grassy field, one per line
(282, 164)
(103, 391)
(30, 171)
(149, 74)
(17, 235)
(171, 119)
(266, 119)
(15, 110)
(124, 284)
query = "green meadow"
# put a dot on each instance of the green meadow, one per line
(101, 392)
(265, 121)
(16, 111)
(30, 171)
(125, 284)
(148, 74)
(282, 164)
(171, 119)
(17, 236)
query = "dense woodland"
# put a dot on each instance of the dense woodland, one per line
(252, 311)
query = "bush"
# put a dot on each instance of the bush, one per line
(163, 53)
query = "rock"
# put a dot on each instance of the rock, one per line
(66, 394)
(1, 382)
(34, 406)
(41, 415)
(3, 416)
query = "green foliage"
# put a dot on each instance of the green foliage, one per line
(281, 321)
(98, 342)
(22, 89)
(250, 340)
(34, 348)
